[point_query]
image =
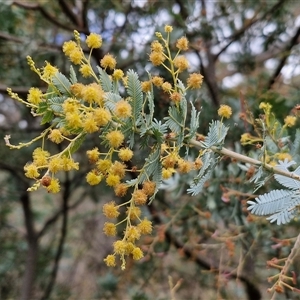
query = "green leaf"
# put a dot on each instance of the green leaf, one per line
(280, 204)
(43, 107)
(47, 117)
(194, 123)
(106, 83)
(78, 142)
(134, 89)
(73, 77)
(216, 134)
(62, 83)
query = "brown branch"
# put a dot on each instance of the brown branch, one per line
(60, 248)
(32, 252)
(286, 54)
(236, 35)
(47, 15)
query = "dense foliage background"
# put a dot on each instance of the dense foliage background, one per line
(52, 247)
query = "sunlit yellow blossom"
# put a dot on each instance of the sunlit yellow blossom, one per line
(120, 189)
(195, 80)
(55, 136)
(149, 187)
(77, 89)
(103, 165)
(93, 154)
(290, 121)
(133, 212)
(101, 116)
(167, 173)
(139, 197)
(110, 229)
(168, 28)
(120, 247)
(112, 180)
(85, 70)
(49, 71)
(176, 97)
(89, 124)
(265, 106)
(170, 160)
(94, 40)
(68, 164)
(70, 106)
(182, 43)
(117, 168)
(181, 63)
(146, 86)
(111, 210)
(184, 166)
(69, 46)
(123, 109)
(93, 93)
(110, 260)
(54, 186)
(73, 120)
(108, 61)
(166, 86)
(31, 171)
(156, 46)
(55, 164)
(157, 81)
(137, 253)
(283, 156)
(40, 157)
(198, 163)
(76, 56)
(125, 154)
(118, 74)
(132, 233)
(225, 111)
(93, 178)
(145, 226)
(35, 96)
(115, 138)
(156, 58)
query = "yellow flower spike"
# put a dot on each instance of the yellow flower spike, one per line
(120, 189)
(86, 70)
(68, 47)
(145, 226)
(93, 155)
(94, 40)
(110, 210)
(195, 81)
(112, 180)
(54, 186)
(290, 121)
(49, 71)
(115, 138)
(31, 171)
(168, 28)
(182, 43)
(108, 61)
(35, 96)
(110, 229)
(125, 154)
(93, 178)
(137, 253)
(225, 111)
(156, 46)
(123, 109)
(181, 63)
(139, 197)
(118, 74)
(156, 58)
(110, 260)
(55, 136)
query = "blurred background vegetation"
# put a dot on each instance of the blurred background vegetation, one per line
(52, 247)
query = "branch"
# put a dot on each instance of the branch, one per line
(246, 159)
(60, 248)
(48, 16)
(286, 54)
(236, 35)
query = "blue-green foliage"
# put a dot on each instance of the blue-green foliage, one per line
(282, 204)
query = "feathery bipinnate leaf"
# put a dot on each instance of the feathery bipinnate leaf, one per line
(105, 81)
(134, 89)
(62, 83)
(287, 182)
(216, 134)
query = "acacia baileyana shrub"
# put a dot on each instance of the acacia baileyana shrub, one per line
(121, 110)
